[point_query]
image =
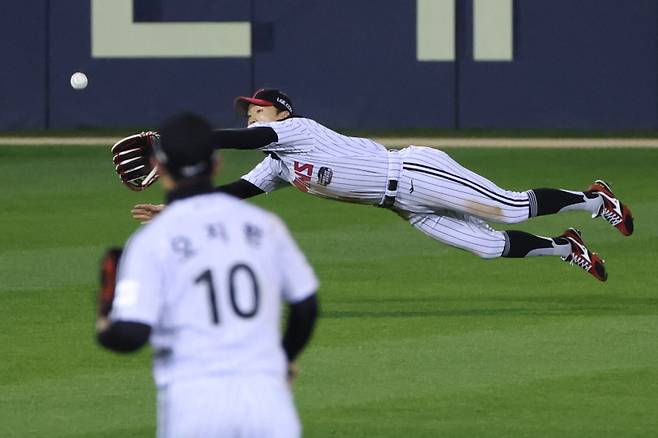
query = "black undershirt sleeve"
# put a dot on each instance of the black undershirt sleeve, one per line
(246, 138)
(301, 320)
(124, 336)
(240, 189)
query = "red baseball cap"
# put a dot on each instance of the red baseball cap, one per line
(265, 97)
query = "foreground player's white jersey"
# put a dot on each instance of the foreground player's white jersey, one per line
(322, 162)
(208, 275)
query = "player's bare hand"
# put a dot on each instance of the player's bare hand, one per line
(146, 212)
(293, 372)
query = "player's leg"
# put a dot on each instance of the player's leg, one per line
(432, 178)
(569, 246)
(598, 200)
(474, 235)
(461, 231)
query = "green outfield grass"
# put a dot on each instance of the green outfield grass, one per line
(416, 339)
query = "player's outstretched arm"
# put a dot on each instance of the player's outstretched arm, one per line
(131, 154)
(240, 189)
(144, 213)
(245, 138)
(301, 321)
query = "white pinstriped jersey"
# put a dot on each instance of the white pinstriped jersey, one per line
(208, 275)
(322, 162)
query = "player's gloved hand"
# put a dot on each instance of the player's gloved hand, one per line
(108, 279)
(146, 212)
(131, 160)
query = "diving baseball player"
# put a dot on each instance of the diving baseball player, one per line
(204, 281)
(425, 186)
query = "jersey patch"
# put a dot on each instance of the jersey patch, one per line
(127, 291)
(325, 174)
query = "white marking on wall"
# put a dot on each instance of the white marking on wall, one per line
(493, 30)
(435, 30)
(115, 35)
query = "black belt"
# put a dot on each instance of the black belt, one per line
(389, 199)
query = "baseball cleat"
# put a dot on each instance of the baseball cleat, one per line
(612, 209)
(582, 257)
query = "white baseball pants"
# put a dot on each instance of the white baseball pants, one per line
(450, 203)
(231, 406)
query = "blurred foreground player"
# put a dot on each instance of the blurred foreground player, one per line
(204, 281)
(425, 186)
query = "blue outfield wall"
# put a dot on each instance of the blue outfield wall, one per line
(588, 64)
(23, 70)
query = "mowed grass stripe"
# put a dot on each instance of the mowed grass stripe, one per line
(538, 360)
(549, 409)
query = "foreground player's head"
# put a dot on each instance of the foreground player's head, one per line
(266, 105)
(185, 153)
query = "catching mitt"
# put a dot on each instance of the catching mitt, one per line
(109, 266)
(131, 160)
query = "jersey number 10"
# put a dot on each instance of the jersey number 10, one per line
(207, 278)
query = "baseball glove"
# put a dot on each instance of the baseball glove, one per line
(131, 160)
(109, 265)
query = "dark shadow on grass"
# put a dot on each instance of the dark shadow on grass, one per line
(547, 299)
(111, 431)
(448, 313)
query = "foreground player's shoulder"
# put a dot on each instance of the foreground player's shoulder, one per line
(191, 211)
(255, 215)
(236, 207)
(143, 241)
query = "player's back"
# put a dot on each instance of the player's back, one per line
(299, 134)
(323, 162)
(222, 281)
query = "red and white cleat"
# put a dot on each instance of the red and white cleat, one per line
(582, 257)
(612, 209)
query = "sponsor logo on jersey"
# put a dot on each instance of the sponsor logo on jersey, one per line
(303, 173)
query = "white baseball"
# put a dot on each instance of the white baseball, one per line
(79, 81)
